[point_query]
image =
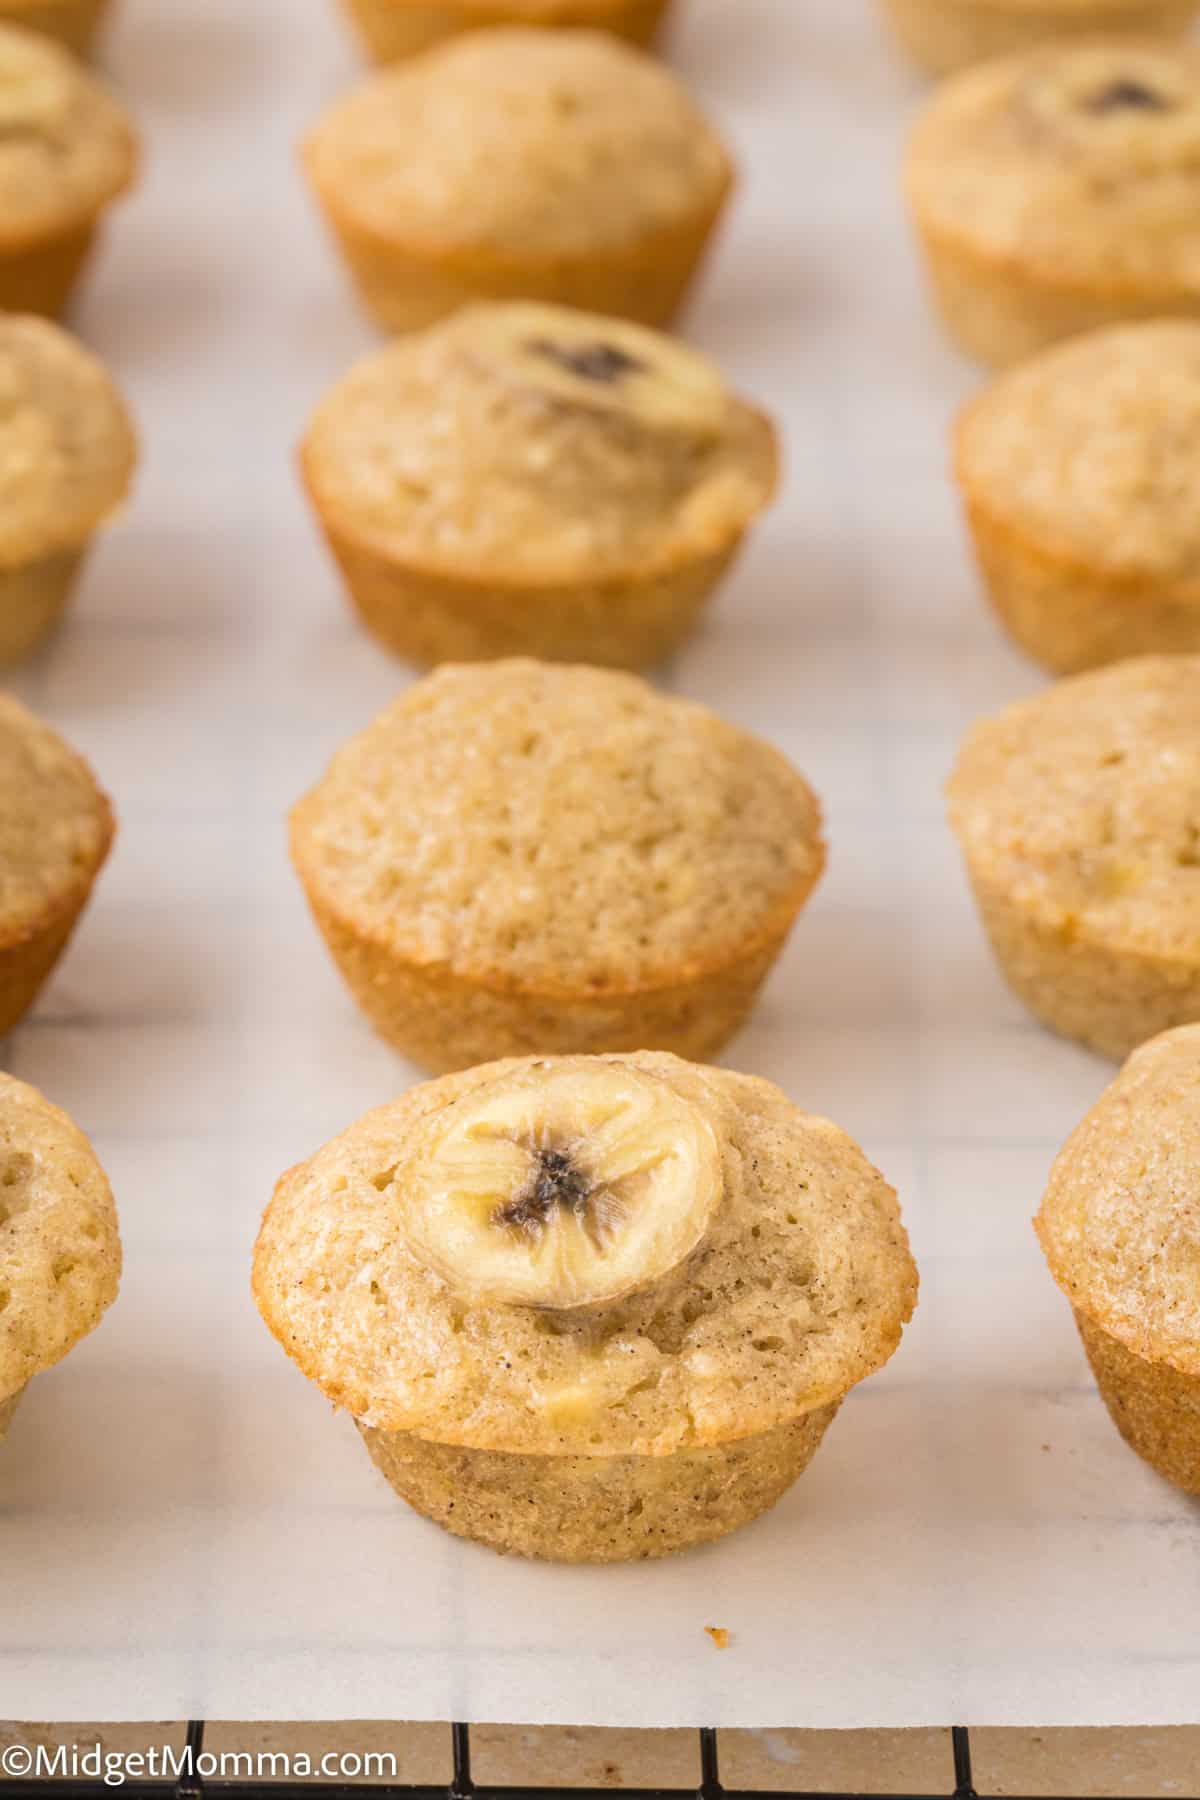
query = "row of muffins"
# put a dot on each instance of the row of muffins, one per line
(1111, 872)
(1053, 190)
(1058, 176)
(338, 1311)
(519, 856)
(549, 1115)
(602, 1320)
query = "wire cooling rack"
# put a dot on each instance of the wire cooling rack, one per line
(192, 1786)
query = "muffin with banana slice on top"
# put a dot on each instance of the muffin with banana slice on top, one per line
(533, 480)
(1058, 190)
(588, 1309)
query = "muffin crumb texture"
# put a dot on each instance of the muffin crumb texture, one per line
(67, 147)
(67, 446)
(516, 856)
(60, 1255)
(1120, 1227)
(1079, 473)
(1078, 813)
(520, 163)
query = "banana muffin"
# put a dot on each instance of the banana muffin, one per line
(60, 1255)
(391, 29)
(56, 827)
(526, 479)
(520, 857)
(67, 150)
(1078, 813)
(67, 455)
(1120, 1226)
(73, 22)
(590, 1309)
(943, 36)
(1058, 191)
(1080, 473)
(520, 164)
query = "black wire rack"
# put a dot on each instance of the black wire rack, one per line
(461, 1786)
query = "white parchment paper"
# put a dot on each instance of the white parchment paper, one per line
(185, 1527)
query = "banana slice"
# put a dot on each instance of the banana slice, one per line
(599, 364)
(569, 1184)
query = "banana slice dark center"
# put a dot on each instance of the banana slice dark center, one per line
(603, 363)
(1127, 95)
(558, 1185)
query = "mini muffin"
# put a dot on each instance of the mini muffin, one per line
(55, 830)
(67, 150)
(60, 1256)
(1080, 471)
(591, 1309)
(73, 22)
(519, 857)
(67, 455)
(520, 164)
(1058, 191)
(532, 479)
(1078, 813)
(946, 35)
(395, 28)
(1120, 1225)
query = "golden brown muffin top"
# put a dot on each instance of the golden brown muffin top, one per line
(520, 141)
(67, 448)
(523, 442)
(60, 1256)
(796, 1289)
(67, 147)
(1084, 804)
(1073, 164)
(1120, 1223)
(558, 830)
(55, 824)
(1090, 452)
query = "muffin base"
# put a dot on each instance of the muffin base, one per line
(444, 1021)
(1155, 1408)
(597, 1508)
(998, 315)
(1069, 620)
(41, 278)
(26, 966)
(73, 22)
(405, 288)
(942, 36)
(428, 618)
(1109, 999)
(7, 1409)
(32, 601)
(392, 29)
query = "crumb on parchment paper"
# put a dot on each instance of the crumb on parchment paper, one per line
(719, 1636)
